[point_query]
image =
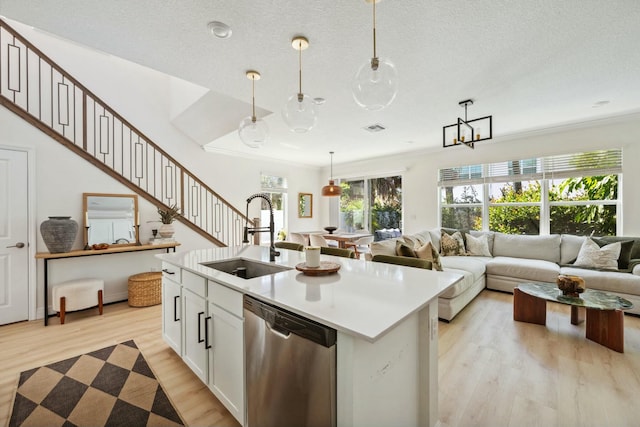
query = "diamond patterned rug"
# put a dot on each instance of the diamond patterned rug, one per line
(113, 386)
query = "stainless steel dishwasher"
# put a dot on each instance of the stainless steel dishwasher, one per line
(290, 368)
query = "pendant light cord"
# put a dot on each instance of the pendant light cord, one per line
(300, 70)
(374, 29)
(331, 152)
(253, 98)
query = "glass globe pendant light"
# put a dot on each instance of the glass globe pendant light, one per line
(253, 131)
(375, 85)
(300, 112)
(332, 189)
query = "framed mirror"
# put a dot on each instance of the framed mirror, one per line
(111, 218)
(305, 205)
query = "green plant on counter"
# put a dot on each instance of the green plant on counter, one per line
(167, 216)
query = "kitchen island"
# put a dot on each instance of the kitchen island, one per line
(385, 316)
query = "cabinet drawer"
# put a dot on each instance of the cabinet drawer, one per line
(193, 282)
(225, 298)
(171, 272)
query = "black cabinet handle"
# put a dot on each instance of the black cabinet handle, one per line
(164, 270)
(206, 333)
(175, 308)
(200, 327)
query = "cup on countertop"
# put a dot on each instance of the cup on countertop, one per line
(312, 256)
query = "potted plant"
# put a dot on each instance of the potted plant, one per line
(167, 216)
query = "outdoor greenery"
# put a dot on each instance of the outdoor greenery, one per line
(384, 201)
(515, 218)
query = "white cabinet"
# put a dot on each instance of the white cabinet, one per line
(203, 322)
(226, 360)
(195, 334)
(172, 308)
(196, 341)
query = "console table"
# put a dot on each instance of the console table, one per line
(46, 256)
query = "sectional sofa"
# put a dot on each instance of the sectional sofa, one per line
(522, 258)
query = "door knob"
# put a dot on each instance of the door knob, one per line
(18, 245)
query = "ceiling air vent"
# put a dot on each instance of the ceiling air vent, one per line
(374, 128)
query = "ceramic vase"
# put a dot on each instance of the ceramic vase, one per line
(59, 233)
(166, 231)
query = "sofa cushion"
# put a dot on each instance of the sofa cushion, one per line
(477, 245)
(545, 248)
(534, 270)
(625, 250)
(474, 265)
(569, 247)
(423, 238)
(460, 286)
(593, 256)
(405, 249)
(383, 247)
(608, 281)
(490, 237)
(428, 252)
(451, 244)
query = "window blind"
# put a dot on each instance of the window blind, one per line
(593, 163)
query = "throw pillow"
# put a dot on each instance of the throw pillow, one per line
(451, 244)
(411, 241)
(625, 251)
(478, 245)
(402, 249)
(593, 256)
(428, 252)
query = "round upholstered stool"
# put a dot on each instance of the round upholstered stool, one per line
(77, 295)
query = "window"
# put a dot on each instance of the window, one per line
(371, 204)
(276, 188)
(576, 193)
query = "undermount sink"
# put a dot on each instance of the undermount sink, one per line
(245, 268)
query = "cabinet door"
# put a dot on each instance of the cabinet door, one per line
(172, 315)
(194, 351)
(226, 363)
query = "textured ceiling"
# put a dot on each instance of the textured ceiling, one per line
(531, 64)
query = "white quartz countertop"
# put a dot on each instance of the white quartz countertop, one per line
(363, 298)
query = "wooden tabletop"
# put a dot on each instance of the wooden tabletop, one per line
(109, 250)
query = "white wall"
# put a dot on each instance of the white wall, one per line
(419, 180)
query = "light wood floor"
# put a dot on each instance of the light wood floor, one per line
(493, 371)
(497, 372)
(27, 345)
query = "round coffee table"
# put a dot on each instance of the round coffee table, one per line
(605, 318)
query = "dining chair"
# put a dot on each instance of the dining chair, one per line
(361, 245)
(299, 238)
(289, 245)
(346, 253)
(318, 240)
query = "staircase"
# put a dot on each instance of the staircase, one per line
(42, 93)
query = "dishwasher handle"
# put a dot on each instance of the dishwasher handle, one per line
(281, 332)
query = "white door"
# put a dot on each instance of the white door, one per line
(14, 261)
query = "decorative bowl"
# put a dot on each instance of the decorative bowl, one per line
(330, 230)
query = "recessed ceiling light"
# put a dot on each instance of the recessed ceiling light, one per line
(219, 29)
(377, 127)
(599, 104)
(319, 101)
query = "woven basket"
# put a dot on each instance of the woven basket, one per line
(145, 289)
